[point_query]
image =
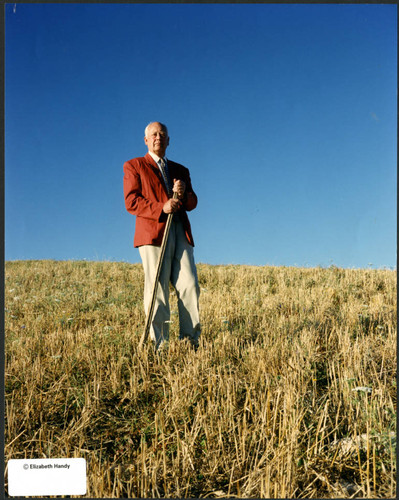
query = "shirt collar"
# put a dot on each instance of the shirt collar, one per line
(155, 157)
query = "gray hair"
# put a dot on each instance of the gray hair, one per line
(162, 125)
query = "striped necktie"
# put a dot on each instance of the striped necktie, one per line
(163, 166)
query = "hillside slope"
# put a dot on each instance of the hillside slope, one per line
(291, 394)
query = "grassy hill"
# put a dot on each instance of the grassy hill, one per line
(291, 394)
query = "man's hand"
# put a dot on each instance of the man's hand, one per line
(172, 206)
(179, 187)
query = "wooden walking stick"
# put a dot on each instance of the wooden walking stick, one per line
(155, 286)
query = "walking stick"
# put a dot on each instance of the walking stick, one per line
(155, 287)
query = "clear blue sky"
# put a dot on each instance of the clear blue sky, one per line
(284, 114)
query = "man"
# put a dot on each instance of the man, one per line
(149, 183)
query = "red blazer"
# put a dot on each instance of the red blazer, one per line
(145, 195)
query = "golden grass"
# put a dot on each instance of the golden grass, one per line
(265, 408)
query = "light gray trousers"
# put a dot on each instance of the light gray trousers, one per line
(179, 269)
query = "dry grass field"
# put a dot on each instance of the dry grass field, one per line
(292, 393)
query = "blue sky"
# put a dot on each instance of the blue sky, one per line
(284, 114)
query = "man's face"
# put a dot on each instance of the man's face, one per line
(157, 139)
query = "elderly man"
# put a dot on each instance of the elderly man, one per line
(149, 183)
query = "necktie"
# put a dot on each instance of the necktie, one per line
(165, 174)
